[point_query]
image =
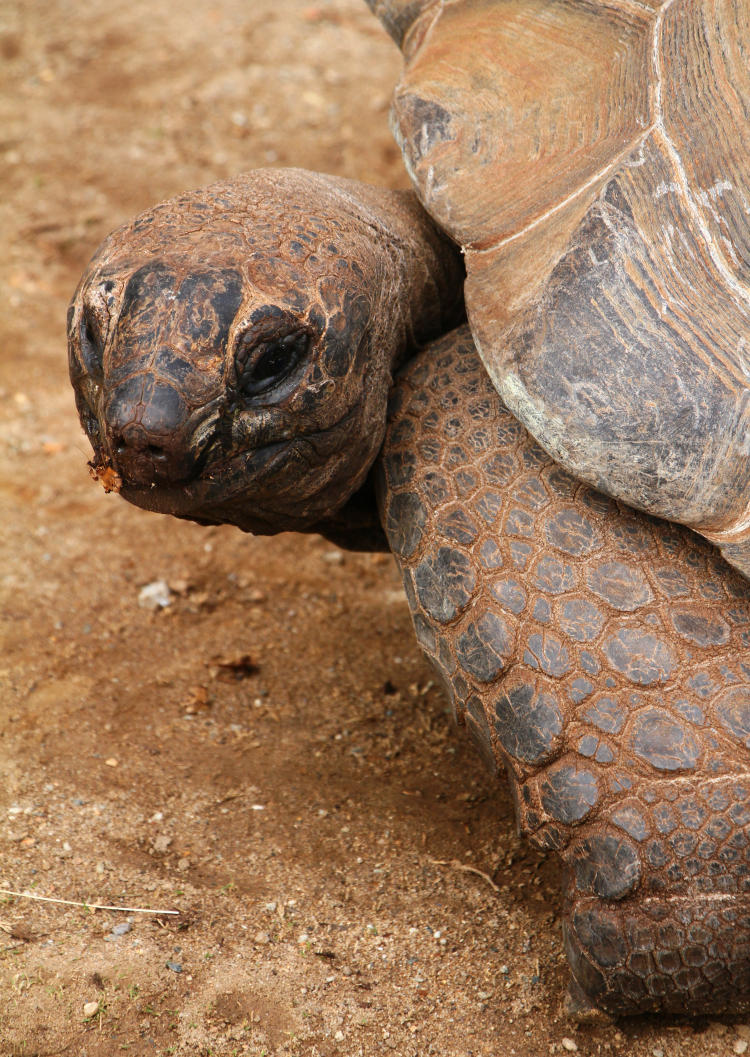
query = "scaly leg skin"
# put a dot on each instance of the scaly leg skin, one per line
(601, 657)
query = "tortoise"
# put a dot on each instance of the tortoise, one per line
(233, 350)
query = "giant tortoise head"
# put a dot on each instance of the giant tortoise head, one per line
(232, 350)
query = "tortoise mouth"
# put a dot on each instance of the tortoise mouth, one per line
(213, 478)
(257, 491)
(151, 465)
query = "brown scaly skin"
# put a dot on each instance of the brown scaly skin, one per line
(315, 288)
(601, 657)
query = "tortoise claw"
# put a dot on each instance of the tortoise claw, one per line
(578, 1007)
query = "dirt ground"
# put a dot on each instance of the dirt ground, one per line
(267, 754)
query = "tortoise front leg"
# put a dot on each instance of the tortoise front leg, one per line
(601, 657)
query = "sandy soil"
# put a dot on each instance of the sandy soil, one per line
(268, 754)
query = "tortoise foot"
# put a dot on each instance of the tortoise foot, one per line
(673, 955)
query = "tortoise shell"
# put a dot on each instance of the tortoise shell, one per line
(591, 160)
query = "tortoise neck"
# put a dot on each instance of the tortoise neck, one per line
(417, 279)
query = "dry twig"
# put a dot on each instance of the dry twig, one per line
(456, 865)
(88, 906)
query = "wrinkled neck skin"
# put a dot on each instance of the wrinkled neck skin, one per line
(232, 350)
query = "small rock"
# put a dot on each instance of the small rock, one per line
(183, 865)
(122, 929)
(262, 937)
(155, 595)
(111, 761)
(339, 1036)
(161, 843)
(90, 1009)
(569, 1045)
(174, 966)
(740, 1046)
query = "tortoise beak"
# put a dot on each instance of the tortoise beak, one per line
(151, 434)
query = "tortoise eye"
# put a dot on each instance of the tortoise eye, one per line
(91, 344)
(262, 365)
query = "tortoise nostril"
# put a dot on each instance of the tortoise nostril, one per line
(135, 440)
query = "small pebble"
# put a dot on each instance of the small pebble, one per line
(339, 1036)
(657, 1053)
(569, 1045)
(174, 966)
(155, 595)
(90, 1009)
(111, 762)
(122, 929)
(740, 1046)
(262, 937)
